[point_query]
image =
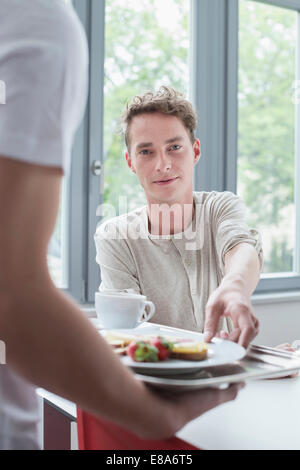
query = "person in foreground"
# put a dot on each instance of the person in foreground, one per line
(49, 342)
(191, 253)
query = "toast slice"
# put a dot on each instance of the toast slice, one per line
(118, 339)
(120, 351)
(190, 351)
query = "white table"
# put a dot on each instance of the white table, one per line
(264, 416)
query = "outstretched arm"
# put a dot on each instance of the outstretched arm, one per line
(232, 297)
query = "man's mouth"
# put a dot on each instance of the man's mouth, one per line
(165, 181)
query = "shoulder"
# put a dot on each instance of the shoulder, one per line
(108, 228)
(219, 200)
(44, 32)
(44, 64)
(122, 226)
(215, 196)
(67, 33)
(47, 19)
(115, 239)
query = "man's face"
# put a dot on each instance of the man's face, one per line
(163, 157)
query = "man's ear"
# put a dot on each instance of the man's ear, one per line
(129, 162)
(197, 151)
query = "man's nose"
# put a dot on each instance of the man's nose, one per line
(163, 161)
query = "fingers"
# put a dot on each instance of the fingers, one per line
(291, 376)
(246, 336)
(288, 347)
(224, 334)
(256, 322)
(234, 335)
(213, 313)
(249, 334)
(243, 337)
(248, 324)
(218, 396)
(231, 392)
(285, 347)
(195, 404)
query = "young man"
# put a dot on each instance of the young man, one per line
(191, 253)
(49, 342)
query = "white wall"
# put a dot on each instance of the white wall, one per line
(279, 321)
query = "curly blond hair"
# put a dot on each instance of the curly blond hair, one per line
(165, 100)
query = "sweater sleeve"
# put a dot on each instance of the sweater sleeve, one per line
(230, 227)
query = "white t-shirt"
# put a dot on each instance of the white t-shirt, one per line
(44, 65)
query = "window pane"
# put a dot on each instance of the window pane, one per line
(147, 44)
(266, 127)
(57, 250)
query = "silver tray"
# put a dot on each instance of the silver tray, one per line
(260, 363)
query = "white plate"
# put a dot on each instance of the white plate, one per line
(220, 352)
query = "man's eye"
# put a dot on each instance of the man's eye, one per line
(144, 152)
(175, 147)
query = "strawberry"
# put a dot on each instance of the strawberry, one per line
(164, 347)
(142, 351)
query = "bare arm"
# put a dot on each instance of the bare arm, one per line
(242, 266)
(48, 339)
(232, 298)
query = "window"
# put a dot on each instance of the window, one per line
(268, 133)
(67, 251)
(266, 128)
(246, 64)
(238, 60)
(57, 250)
(146, 46)
(58, 246)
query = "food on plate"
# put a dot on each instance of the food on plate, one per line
(164, 347)
(123, 339)
(190, 351)
(120, 351)
(117, 344)
(142, 351)
(153, 348)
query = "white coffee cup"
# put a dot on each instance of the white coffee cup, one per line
(122, 310)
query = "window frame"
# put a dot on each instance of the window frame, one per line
(77, 191)
(96, 120)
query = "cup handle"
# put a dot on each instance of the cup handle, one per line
(151, 311)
